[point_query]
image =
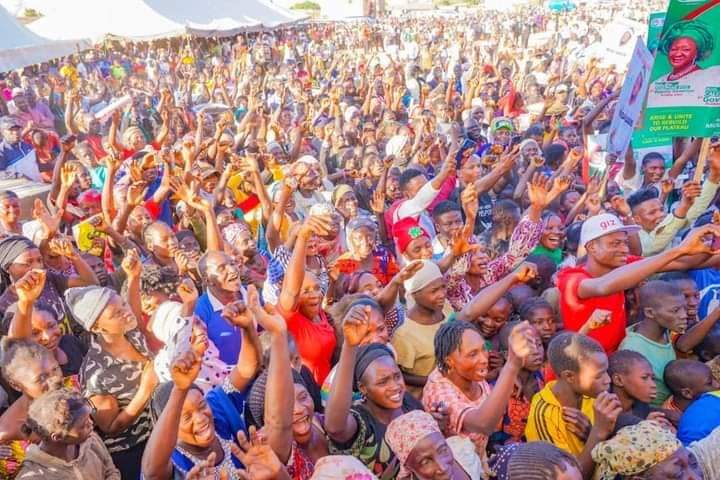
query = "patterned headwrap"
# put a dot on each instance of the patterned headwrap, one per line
(695, 30)
(231, 233)
(634, 450)
(341, 467)
(500, 463)
(129, 133)
(339, 191)
(405, 432)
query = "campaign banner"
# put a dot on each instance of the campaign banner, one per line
(631, 100)
(618, 41)
(684, 93)
(655, 28)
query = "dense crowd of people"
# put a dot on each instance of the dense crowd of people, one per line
(354, 251)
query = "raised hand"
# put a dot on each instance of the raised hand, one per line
(698, 240)
(68, 175)
(204, 470)
(131, 264)
(537, 161)
(441, 414)
(49, 223)
(184, 369)
(377, 204)
(136, 171)
(356, 325)
(507, 161)
(184, 262)
(620, 205)
(562, 183)
(526, 272)
(238, 314)
(316, 224)
(136, 192)
(250, 164)
(469, 202)
(63, 247)
(461, 241)
(538, 190)
(261, 462)
(112, 160)
(187, 291)
(667, 185)
(271, 322)
(29, 287)
(593, 203)
(522, 342)
(409, 271)
(690, 191)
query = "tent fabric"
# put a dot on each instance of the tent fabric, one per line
(20, 47)
(151, 19)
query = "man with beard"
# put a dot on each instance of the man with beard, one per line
(222, 277)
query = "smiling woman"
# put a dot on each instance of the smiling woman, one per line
(685, 44)
(116, 373)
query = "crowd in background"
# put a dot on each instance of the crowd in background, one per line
(380, 249)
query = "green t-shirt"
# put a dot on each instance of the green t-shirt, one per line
(658, 354)
(555, 255)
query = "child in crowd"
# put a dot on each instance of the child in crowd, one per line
(687, 380)
(529, 382)
(490, 325)
(68, 448)
(540, 315)
(633, 382)
(576, 411)
(661, 310)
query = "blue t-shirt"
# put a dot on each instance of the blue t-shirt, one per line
(700, 418)
(708, 282)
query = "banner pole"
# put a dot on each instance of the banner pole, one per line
(702, 158)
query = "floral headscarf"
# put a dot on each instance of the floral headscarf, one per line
(634, 450)
(341, 467)
(405, 432)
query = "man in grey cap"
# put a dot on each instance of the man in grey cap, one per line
(15, 154)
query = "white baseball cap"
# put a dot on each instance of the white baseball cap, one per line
(603, 224)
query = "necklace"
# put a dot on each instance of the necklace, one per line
(226, 464)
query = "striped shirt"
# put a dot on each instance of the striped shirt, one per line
(546, 421)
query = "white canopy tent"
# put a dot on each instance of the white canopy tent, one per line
(151, 19)
(20, 47)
